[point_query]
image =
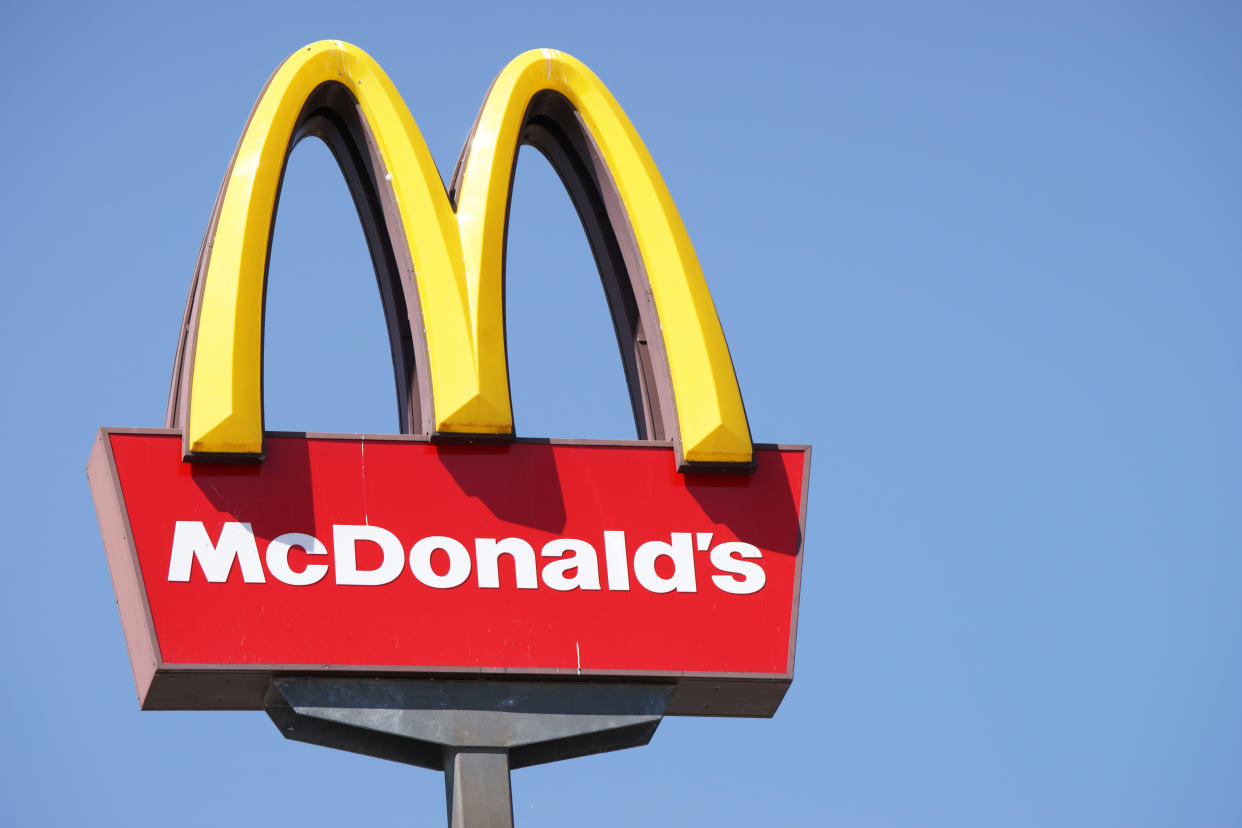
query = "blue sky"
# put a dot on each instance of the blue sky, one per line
(984, 257)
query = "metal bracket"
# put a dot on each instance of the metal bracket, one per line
(474, 731)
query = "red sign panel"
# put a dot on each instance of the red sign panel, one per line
(381, 555)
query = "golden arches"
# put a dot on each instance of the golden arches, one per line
(449, 255)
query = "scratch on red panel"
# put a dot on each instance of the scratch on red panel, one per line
(221, 499)
(366, 518)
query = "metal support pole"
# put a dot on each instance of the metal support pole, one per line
(476, 787)
(473, 731)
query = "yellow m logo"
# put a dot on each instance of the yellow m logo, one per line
(439, 256)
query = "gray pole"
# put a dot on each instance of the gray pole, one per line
(476, 785)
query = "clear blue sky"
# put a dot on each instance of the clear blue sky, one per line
(984, 257)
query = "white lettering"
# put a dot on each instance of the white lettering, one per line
(682, 554)
(753, 576)
(345, 536)
(574, 563)
(459, 562)
(615, 560)
(190, 540)
(487, 552)
(583, 562)
(278, 559)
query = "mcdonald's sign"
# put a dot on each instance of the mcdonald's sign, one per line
(455, 548)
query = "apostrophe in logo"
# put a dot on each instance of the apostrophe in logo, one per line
(440, 257)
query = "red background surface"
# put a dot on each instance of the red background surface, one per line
(533, 491)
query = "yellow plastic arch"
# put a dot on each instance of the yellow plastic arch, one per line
(457, 255)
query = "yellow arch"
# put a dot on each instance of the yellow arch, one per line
(457, 255)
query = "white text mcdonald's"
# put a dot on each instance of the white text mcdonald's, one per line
(442, 562)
